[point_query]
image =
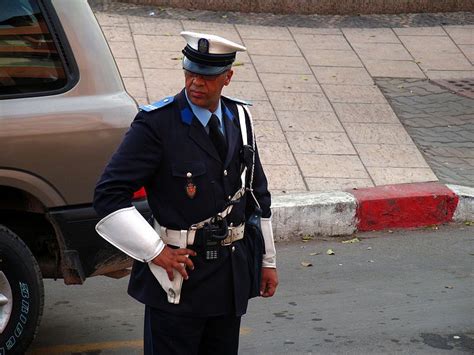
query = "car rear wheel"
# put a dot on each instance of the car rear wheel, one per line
(21, 294)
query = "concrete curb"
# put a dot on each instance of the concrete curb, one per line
(377, 208)
(465, 209)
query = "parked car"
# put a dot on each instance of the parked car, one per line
(63, 110)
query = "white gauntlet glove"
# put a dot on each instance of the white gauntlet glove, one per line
(127, 230)
(269, 259)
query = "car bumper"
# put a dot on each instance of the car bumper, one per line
(83, 252)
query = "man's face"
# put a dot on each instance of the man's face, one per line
(205, 90)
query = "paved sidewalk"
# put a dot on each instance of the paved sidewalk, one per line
(440, 122)
(322, 123)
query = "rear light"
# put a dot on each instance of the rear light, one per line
(139, 194)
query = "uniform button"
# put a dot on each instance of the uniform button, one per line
(233, 248)
(225, 172)
(189, 175)
(229, 197)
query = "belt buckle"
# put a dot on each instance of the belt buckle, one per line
(230, 237)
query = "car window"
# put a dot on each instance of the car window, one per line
(29, 59)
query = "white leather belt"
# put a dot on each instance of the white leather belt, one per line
(176, 237)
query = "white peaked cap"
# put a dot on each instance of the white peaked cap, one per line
(217, 45)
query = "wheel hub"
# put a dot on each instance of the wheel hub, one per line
(6, 301)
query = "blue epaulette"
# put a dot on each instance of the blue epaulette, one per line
(239, 101)
(156, 105)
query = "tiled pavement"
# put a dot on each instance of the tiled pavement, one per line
(321, 121)
(440, 122)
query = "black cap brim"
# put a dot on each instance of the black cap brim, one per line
(204, 69)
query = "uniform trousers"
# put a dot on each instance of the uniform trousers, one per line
(173, 334)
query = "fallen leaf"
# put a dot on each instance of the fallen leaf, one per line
(469, 223)
(306, 238)
(353, 240)
(330, 252)
(237, 64)
(224, 16)
(315, 253)
(306, 264)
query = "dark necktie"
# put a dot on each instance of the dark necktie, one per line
(217, 137)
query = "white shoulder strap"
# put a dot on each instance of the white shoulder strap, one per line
(243, 130)
(243, 124)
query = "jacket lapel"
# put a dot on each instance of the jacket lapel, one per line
(196, 131)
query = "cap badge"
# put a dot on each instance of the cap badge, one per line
(203, 45)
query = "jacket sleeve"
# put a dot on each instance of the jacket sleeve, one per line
(130, 167)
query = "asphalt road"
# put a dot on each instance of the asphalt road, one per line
(406, 292)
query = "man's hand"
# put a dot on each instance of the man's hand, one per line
(170, 259)
(269, 282)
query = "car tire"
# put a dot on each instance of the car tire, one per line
(21, 294)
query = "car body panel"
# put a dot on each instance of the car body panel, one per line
(54, 145)
(66, 139)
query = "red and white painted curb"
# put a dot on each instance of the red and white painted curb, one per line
(368, 209)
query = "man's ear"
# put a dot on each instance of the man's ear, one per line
(228, 77)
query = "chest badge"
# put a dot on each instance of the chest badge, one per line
(190, 187)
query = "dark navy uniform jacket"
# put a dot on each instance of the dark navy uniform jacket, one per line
(159, 150)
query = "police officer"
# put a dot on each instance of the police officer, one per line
(194, 267)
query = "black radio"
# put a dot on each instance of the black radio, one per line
(213, 233)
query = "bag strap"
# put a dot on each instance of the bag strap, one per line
(243, 131)
(242, 110)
